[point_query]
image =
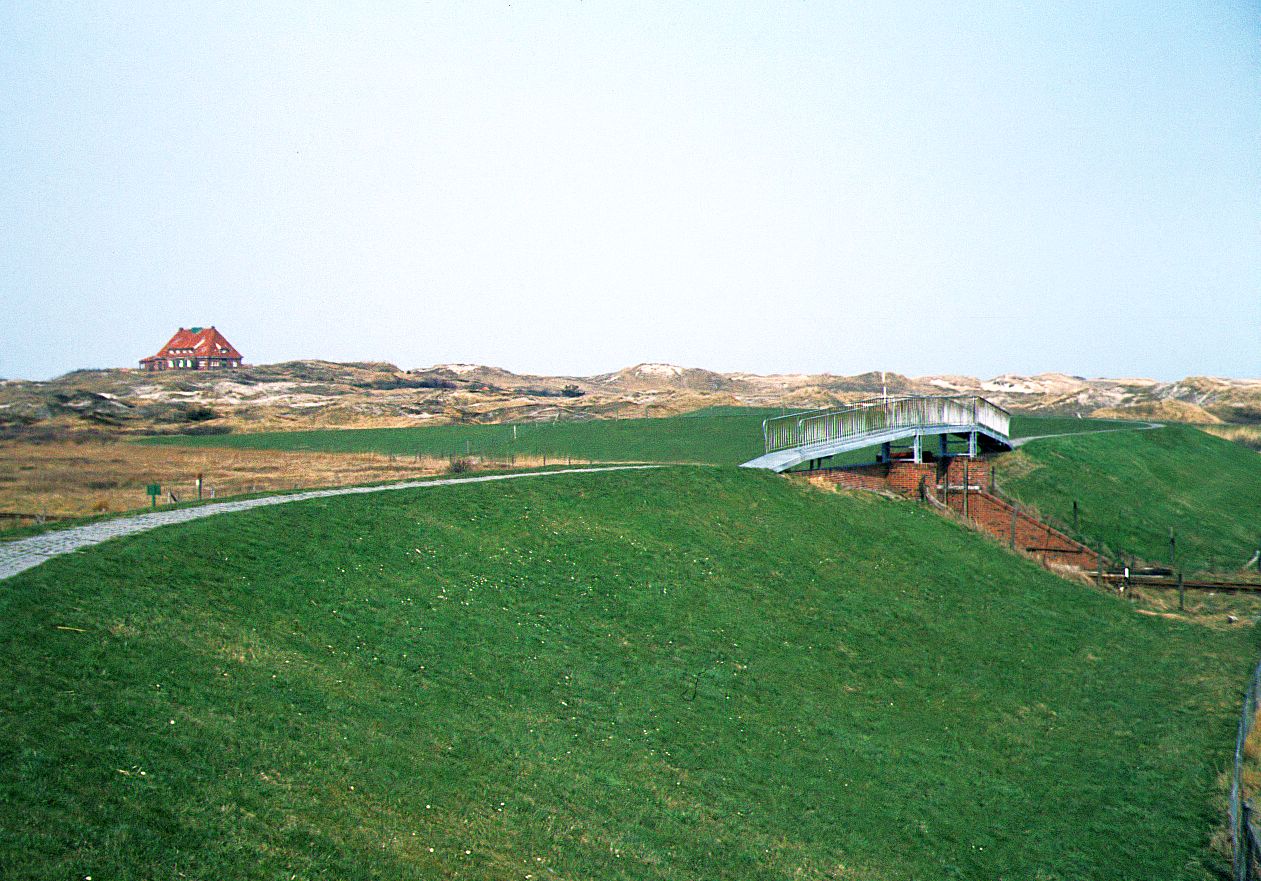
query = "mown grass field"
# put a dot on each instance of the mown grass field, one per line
(679, 674)
(1132, 486)
(719, 435)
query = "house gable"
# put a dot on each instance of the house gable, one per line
(194, 348)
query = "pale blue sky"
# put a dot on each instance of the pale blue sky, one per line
(574, 187)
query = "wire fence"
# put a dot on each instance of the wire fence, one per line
(1244, 835)
(1081, 524)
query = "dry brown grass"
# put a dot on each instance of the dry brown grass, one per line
(1248, 435)
(1250, 779)
(1207, 608)
(69, 479)
(1160, 411)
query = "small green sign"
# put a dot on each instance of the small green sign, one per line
(154, 489)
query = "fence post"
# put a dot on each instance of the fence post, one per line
(966, 486)
(1242, 849)
(1241, 838)
(1182, 593)
(1015, 512)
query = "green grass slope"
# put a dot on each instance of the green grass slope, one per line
(718, 435)
(682, 674)
(1132, 486)
(726, 435)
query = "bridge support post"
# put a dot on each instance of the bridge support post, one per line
(971, 444)
(919, 448)
(943, 446)
(886, 451)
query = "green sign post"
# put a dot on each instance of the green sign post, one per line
(154, 490)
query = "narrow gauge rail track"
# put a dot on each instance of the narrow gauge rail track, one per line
(1209, 583)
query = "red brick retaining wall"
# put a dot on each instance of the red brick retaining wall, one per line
(994, 515)
(945, 481)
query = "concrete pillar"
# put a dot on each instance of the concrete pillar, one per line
(972, 444)
(919, 448)
(886, 451)
(943, 448)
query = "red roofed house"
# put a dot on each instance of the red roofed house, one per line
(194, 348)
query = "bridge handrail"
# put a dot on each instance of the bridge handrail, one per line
(881, 414)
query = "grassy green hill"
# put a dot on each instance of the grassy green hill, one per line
(718, 435)
(1132, 486)
(681, 674)
(726, 435)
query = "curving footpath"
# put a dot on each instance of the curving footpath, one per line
(1019, 442)
(27, 553)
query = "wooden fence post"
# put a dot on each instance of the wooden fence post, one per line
(966, 486)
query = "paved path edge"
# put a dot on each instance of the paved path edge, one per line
(1019, 442)
(27, 553)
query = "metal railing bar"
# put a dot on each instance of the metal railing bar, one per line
(878, 414)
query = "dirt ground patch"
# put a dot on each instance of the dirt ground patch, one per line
(71, 479)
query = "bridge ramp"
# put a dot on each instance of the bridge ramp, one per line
(800, 437)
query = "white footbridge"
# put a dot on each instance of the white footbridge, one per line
(816, 435)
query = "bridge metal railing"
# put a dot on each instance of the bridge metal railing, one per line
(880, 415)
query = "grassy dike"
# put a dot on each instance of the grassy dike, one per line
(1132, 486)
(717, 436)
(692, 673)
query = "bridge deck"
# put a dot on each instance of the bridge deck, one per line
(800, 437)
